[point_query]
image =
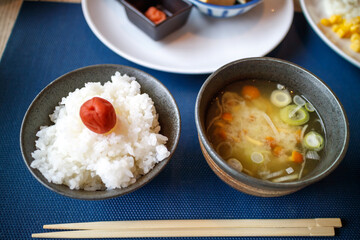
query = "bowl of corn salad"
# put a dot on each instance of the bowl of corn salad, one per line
(345, 28)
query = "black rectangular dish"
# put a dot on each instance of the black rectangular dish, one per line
(176, 11)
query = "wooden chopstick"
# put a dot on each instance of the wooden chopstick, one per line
(201, 223)
(192, 232)
(196, 228)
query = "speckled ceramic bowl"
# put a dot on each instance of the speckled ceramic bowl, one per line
(293, 77)
(219, 11)
(44, 104)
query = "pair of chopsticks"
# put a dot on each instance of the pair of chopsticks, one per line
(196, 228)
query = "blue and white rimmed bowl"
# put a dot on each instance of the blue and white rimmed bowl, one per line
(220, 11)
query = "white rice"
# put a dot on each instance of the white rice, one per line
(346, 8)
(69, 153)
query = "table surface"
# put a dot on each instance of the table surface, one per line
(50, 39)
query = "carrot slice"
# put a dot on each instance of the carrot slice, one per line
(227, 117)
(250, 92)
(155, 15)
(221, 133)
(270, 141)
(277, 151)
(297, 157)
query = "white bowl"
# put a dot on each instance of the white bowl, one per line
(219, 11)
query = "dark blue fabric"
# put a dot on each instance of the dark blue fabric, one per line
(50, 39)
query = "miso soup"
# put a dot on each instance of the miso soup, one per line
(266, 130)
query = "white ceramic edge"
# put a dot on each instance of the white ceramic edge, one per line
(323, 37)
(84, 5)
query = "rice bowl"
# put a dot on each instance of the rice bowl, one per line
(131, 178)
(69, 153)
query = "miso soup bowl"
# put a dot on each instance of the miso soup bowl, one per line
(293, 77)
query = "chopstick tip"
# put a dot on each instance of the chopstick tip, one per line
(35, 235)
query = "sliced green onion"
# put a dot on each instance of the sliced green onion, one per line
(313, 141)
(299, 100)
(294, 115)
(280, 98)
(235, 164)
(257, 157)
(224, 149)
(309, 107)
(293, 112)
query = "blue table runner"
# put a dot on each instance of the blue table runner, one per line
(51, 39)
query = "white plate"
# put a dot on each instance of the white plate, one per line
(201, 46)
(314, 12)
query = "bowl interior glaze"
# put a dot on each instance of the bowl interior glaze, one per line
(44, 104)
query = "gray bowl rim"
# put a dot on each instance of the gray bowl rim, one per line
(242, 177)
(123, 191)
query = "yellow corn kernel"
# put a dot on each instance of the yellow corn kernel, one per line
(347, 24)
(342, 33)
(335, 27)
(355, 28)
(325, 22)
(354, 37)
(335, 19)
(355, 20)
(355, 46)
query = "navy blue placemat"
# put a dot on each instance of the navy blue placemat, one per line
(50, 39)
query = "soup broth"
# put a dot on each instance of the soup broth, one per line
(265, 130)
